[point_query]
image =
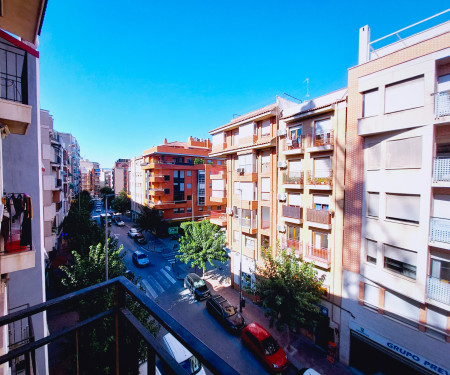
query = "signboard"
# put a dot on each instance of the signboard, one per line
(413, 357)
(173, 230)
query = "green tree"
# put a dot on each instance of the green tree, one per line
(289, 290)
(106, 190)
(202, 242)
(121, 202)
(148, 220)
(199, 161)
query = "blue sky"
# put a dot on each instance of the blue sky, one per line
(122, 76)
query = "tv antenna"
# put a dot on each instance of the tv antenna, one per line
(307, 87)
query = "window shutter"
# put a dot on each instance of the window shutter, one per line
(401, 255)
(370, 103)
(294, 199)
(405, 95)
(265, 185)
(403, 207)
(265, 127)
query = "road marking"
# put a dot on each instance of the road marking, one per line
(170, 257)
(148, 288)
(171, 279)
(161, 280)
(155, 283)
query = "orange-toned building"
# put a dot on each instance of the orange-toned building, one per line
(176, 180)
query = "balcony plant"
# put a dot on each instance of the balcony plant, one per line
(199, 161)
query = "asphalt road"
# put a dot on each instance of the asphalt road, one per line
(162, 285)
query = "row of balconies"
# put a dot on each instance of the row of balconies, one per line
(320, 142)
(309, 252)
(319, 179)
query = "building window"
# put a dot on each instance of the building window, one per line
(235, 236)
(371, 251)
(188, 186)
(404, 95)
(265, 128)
(201, 201)
(370, 103)
(265, 217)
(373, 203)
(247, 162)
(176, 210)
(403, 207)
(166, 177)
(400, 261)
(219, 162)
(188, 173)
(265, 241)
(166, 191)
(182, 210)
(322, 132)
(188, 161)
(235, 212)
(200, 209)
(401, 308)
(178, 185)
(265, 188)
(209, 208)
(321, 202)
(404, 153)
(189, 209)
(189, 197)
(219, 207)
(440, 269)
(373, 151)
(250, 242)
(371, 295)
(265, 161)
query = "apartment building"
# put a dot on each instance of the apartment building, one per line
(106, 177)
(136, 186)
(248, 143)
(120, 175)
(396, 253)
(90, 176)
(21, 240)
(175, 179)
(72, 148)
(310, 191)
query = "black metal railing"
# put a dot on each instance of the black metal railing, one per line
(127, 331)
(13, 74)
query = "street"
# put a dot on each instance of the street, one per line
(161, 284)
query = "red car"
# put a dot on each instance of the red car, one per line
(264, 346)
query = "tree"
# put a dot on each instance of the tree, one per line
(121, 202)
(202, 242)
(106, 190)
(148, 220)
(289, 290)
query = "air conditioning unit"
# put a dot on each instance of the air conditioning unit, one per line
(281, 196)
(281, 132)
(281, 228)
(240, 170)
(229, 211)
(282, 164)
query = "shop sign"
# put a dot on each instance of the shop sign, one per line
(173, 230)
(413, 357)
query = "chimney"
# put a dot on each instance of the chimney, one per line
(364, 40)
(165, 141)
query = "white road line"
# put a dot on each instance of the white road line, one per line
(155, 283)
(161, 280)
(148, 288)
(171, 279)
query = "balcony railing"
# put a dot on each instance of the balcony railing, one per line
(127, 331)
(322, 177)
(441, 170)
(247, 223)
(442, 103)
(440, 230)
(58, 182)
(297, 245)
(322, 255)
(318, 216)
(265, 224)
(323, 139)
(295, 144)
(219, 215)
(438, 290)
(13, 74)
(295, 178)
(294, 212)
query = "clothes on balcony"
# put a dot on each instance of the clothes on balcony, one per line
(16, 222)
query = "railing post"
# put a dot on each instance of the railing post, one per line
(119, 302)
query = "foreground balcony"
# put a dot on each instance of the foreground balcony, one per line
(440, 232)
(320, 256)
(442, 103)
(17, 260)
(441, 172)
(438, 290)
(219, 218)
(318, 218)
(126, 331)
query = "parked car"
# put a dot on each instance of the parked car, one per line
(183, 356)
(119, 223)
(308, 371)
(133, 232)
(264, 347)
(140, 239)
(225, 313)
(197, 286)
(140, 259)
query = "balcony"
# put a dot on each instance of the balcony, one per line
(56, 160)
(322, 142)
(440, 232)
(292, 214)
(441, 172)
(320, 179)
(249, 175)
(250, 139)
(296, 245)
(58, 183)
(438, 290)
(217, 173)
(220, 147)
(318, 218)
(219, 196)
(294, 146)
(442, 103)
(293, 180)
(12, 261)
(55, 139)
(156, 178)
(249, 226)
(126, 331)
(219, 218)
(266, 167)
(156, 192)
(14, 109)
(320, 256)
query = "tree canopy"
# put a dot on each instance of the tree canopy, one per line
(202, 243)
(121, 202)
(289, 290)
(148, 220)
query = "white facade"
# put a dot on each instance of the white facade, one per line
(136, 185)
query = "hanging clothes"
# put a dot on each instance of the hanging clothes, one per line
(25, 234)
(18, 205)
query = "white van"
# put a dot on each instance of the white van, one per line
(183, 356)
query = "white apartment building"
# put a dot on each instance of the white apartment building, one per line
(136, 185)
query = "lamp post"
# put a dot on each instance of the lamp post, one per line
(106, 233)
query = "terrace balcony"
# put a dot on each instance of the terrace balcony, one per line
(320, 179)
(442, 103)
(440, 233)
(292, 214)
(320, 256)
(219, 218)
(293, 180)
(441, 172)
(294, 146)
(323, 141)
(126, 330)
(318, 218)
(438, 290)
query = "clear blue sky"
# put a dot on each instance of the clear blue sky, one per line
(122, 76)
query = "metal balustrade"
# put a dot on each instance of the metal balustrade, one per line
(294, 212)
(322, 255)
(318, 216)
(13, 74)
(440, 230)
(442, 103)
(438, 290)
(297, 245)
(441, 170)
(295, 178)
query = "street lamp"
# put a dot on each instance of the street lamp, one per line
(106, 233)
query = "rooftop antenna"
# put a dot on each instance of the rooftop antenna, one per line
(299, 100)
(307, 87)
(235, 115)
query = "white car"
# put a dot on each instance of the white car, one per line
(133, 232)
(183, 356)
(120, 223)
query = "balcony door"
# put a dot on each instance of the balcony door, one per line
(322, 167)
(322, 132)
(295, 135)
(320, 241)
(321, 202)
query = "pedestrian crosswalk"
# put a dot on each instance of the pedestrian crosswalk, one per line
(158, 282)
(170, 256)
